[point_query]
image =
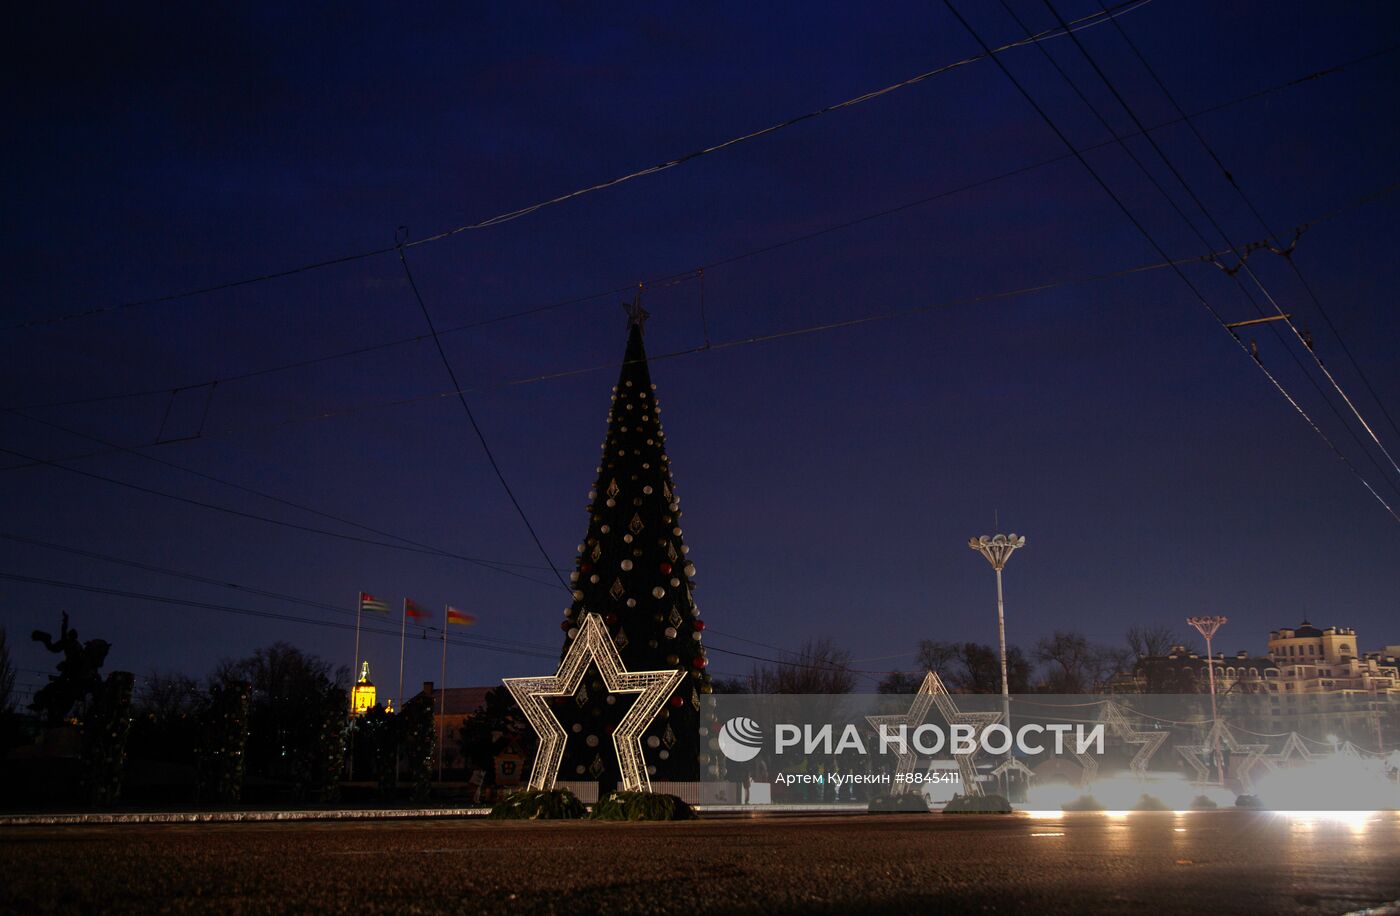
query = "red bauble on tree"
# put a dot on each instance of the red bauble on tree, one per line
(699, 624)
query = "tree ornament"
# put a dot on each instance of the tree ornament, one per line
(675, 583)
(699, 661)
(673, 659)
(665, 569)
(658, 592)
(670, 632)
(626, 565)
(698, 624)
(690, 569)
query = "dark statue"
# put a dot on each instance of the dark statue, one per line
(78, 675)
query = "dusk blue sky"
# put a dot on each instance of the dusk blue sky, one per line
(829, 482)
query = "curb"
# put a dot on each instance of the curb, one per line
(232, 817)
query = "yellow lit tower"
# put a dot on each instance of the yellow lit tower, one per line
(362, 696)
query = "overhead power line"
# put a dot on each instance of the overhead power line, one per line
(253, 516)
(1229, 176)
(1196, 293)
(1234, 272)
(471, 419)
(247, 612)
(670, 278)
(1248, 270)
(496, 565)
(1081, 23)
(1249, 250)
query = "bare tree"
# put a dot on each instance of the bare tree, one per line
(1076, 665)
(817, 667)
(1148, 640)
(167, 695)
(971, 667)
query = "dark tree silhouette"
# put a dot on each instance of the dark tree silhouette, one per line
(488, 731)
(7, 675)
(964, 667)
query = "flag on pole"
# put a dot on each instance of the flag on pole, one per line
(410, 609)
(460, 617)
(372, 605)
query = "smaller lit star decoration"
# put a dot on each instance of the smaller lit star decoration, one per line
(933, 693)
(1293, 746)
(593, 644)
(1112, 715)
(1221, 736)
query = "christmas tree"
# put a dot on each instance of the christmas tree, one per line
(633, 570)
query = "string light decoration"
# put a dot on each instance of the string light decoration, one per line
(933, 693)
(593, 644)
(1220, 734)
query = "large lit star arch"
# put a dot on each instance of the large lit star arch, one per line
(933, 693)
(593, 644)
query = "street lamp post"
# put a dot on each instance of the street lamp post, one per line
(1207, 626)
(998, 549)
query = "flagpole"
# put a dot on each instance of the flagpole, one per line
(403, 631)
(442, 697)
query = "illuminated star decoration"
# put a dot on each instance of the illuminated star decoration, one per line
(1293, 746)
(1111, 715)
(1220, 734)
(933, 693)
(593, 644)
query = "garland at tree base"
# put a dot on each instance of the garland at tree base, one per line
(904, 803)
(532, 804)
(978, 804)
(642, 806)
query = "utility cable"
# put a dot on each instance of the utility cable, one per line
(471, 418)
(1218, 228)
(175, 497)
(1190, 223)
(1082, 23)
(1293, 264)
(730, 259)
(1176, 269)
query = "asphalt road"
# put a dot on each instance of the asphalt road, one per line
(1204, 862)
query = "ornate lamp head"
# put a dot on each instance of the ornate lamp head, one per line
(997, 548)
